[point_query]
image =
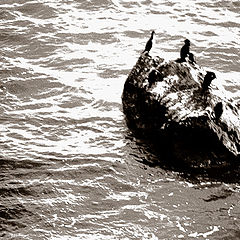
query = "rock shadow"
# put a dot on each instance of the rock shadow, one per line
(194, 160)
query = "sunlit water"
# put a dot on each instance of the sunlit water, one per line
(70, 168)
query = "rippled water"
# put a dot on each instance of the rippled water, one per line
(70, 168)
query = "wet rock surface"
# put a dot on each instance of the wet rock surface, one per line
(181, 113)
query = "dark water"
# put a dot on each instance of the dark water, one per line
(70, 168)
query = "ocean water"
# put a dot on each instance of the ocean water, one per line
(70, 167)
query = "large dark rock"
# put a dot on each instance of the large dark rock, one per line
(173, 105)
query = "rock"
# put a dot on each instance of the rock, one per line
(165, 101)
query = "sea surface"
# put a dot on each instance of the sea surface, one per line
(70, 167)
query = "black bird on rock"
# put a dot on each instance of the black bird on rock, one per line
(185, 50)
(149, 43)
(218, 110)
(191, 58)
(207, 80)
(154, 76)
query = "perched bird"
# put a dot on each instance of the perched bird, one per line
(149, 43)
(154, 76)
(207, 80)
(184, 52)
(218, 110)
(191, 58)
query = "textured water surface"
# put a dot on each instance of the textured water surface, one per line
(70, 168)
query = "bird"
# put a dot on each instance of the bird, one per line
(218, 110)
(191, 58)
(154, 76)
(149, 43)
(207, 80)
(184, 52)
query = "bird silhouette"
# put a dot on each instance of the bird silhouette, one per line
(218, 110)
(154, 76)
(185, 50)
(207, 80)
(149, 43)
